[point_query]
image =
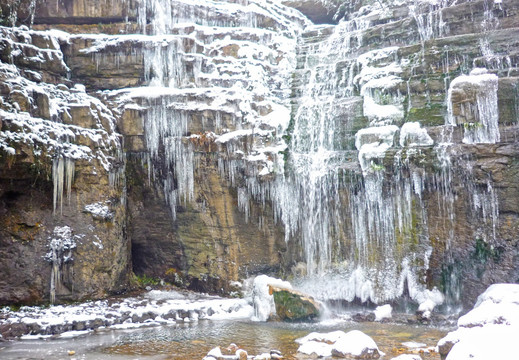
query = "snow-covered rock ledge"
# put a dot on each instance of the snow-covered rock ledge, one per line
(490, 330)
(151, 309)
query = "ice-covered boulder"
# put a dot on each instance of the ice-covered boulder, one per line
(354, 344)
(489, 331)
(383, 312)
(262, 299)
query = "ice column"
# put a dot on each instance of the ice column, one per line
(62, 178)
(472, 102)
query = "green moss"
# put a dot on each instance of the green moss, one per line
(429, 115)
(145, 280)
(472, 126)
(407, 239)
(483, 252)
(450, 279)
(377, 167)
(291, 307)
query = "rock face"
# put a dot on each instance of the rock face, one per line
(61, 189)
(228, 139)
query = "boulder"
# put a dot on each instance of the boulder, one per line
(293, 305)
(356, 345)
(352, 345)
(488, 331)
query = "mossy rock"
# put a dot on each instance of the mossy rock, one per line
(430, 115)
(293, 306)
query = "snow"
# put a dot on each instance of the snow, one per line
(57, 138)
(320, 349)
(489, 330)
(109, 312)
(215, 352)
(263, 302)
(484, 111)
(426, 308)
(73, 334)
(233, 135)
(354, 343)
(378, 134)
(412, 135)
(372, 143)
(499, 304)
(99, 210)
(413, 345)
(489, 342)
(383, 312)
(407, 357)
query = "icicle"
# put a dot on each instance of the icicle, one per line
(69, 175)
(62, 179)
(480, 117)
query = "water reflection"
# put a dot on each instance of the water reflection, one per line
(194, 340)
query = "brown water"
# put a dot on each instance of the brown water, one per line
(194, 340)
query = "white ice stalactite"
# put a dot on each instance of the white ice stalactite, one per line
(62, 179)
(480, 115)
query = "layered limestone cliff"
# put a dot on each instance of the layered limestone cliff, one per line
(373, 157)
(62, 205)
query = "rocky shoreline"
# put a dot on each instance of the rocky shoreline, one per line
(160, 307)
(152, 308)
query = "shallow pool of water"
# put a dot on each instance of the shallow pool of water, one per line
(194, 340)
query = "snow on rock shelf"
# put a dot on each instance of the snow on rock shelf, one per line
(489, 330)
(150, 309)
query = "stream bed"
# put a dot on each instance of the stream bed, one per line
(192, 340)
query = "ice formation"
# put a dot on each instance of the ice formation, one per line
(197, 62)
(196, 59)
(60, 245)
(226, 70)
(62, 178)
(383, 312)
(263, 302)
(412, 134)
(480, 116)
